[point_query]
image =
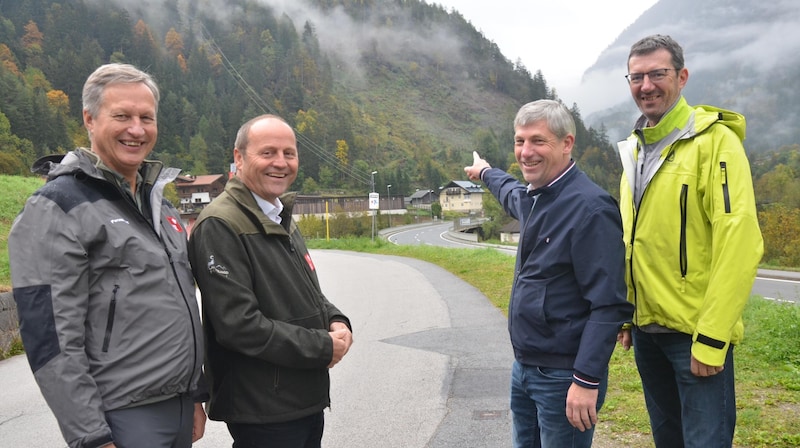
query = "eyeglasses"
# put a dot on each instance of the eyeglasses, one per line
(654, 75)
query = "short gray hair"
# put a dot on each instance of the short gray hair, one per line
(558, 118)
(109, 74)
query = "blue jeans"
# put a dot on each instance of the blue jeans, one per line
(539, 407)
(686, 411)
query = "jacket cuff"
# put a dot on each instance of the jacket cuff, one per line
(341, 319)
(708, 350)
(586, 381)
(483, 170)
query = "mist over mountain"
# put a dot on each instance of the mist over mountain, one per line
(741, 55)
(401, 87)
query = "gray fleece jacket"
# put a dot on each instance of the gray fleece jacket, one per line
(105, 295)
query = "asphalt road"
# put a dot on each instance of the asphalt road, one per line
(782, 286)
(429, 368)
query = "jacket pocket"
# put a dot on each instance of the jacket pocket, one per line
(529, 320)
(684, 258)
(726, 197)
(112, 308)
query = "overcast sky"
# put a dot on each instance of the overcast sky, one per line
(560, 38)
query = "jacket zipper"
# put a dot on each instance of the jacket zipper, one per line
(112, 306)
(723, 166)
(684, 261)
(188, 310)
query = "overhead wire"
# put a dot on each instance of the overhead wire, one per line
(324, 155)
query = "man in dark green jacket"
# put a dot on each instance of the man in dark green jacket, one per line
(272, 335)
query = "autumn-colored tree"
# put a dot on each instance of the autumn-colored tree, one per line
(780, 228)
(342, 153)
(32, 39)
(182, 63)
(780, 185)
(174, 42)
(59, 102)
(8, 61)
(144, 49)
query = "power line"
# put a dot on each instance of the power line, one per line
(325, 156)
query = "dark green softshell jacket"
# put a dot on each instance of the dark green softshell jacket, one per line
(265, 317)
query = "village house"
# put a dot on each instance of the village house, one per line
(462, 196)
(195, 192)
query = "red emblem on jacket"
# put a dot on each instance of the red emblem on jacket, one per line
(310, 263)
(175, 224)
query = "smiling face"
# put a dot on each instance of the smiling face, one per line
(269, 164)
(124, 131)
(541, 155)
(654, 99)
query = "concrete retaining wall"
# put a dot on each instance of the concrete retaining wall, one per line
(9, 323)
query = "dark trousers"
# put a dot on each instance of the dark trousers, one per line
(301, 433)
(166, 424)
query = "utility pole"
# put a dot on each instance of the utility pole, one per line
(389, 204)
(373, 203)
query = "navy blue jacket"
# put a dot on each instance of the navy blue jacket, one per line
(568, 300)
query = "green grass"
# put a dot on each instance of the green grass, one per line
(16, 190)
(767, 361)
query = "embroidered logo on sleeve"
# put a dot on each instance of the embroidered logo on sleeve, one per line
(214, 268)
(175, 224)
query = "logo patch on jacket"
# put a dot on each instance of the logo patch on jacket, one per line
(214, 268)
(310, 263)
(175, 224)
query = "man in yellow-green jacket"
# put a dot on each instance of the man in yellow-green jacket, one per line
(692, 249)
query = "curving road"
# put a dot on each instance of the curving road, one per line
(783, 286)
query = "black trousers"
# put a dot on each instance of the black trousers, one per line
(301, 433)
(166, 424)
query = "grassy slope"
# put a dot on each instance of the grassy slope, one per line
(15, 190)
(767, 362)
(447, 109)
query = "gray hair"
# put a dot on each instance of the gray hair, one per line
(558, 118)
(243, 135)
(656, 42)
(109, 74)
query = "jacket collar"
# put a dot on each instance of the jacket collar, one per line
(676, 118)
(556, 184)
(242, 195)
(85, 161)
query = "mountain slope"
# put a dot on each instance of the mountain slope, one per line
(741, 55)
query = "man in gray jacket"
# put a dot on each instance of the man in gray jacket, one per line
(105, 295)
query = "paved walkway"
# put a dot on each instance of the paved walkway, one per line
(429, 367)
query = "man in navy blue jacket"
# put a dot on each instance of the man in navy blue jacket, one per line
(568, 301)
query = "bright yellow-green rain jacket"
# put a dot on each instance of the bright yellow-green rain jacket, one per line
(693, 246)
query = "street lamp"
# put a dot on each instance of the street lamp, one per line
(389, 204)
(372, 180)
(430, 202)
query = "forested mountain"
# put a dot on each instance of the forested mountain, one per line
(399, 87)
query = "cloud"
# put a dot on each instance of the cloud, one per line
(338, 34)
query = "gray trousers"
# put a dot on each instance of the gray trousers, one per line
(165, 424)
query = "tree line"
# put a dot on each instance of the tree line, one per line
(413, 116)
